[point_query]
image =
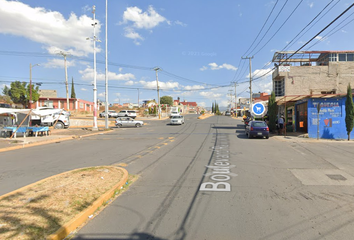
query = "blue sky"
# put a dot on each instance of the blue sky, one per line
(198, 45)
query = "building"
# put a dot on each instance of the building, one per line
(75, 104)
(307, 79)
(186, 107)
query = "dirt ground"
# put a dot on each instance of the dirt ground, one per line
(42, 208)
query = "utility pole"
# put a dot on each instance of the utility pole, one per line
(66, 80)
(249, 58)
(94, 128)
(235, 100)
(230, 94)
(30, 86)
(106, 72)
(158, 91)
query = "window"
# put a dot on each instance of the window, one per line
(333, 57)
(342, 57)
(279, 88)
(350, 57)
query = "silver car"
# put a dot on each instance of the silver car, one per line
(128, 122)
(177, 120)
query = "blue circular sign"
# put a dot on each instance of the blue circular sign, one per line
(258, 109)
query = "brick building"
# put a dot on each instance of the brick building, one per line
(308, 79)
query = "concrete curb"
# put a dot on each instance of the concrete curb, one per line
(205, 116)
(84, 215)
(80, 218)
(71, 137)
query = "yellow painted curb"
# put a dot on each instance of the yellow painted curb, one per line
(84, 215)
(205, 116)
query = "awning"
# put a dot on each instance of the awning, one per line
(294, 98)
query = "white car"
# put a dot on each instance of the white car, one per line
(177, 120)
(174, 113)
(127, 113)
(128, 122)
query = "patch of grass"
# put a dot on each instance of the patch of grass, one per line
(40, 210)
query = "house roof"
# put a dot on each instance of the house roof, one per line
(194, 104)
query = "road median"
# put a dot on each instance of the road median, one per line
(54, 207)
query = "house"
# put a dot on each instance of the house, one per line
(186, 107)
(307, 79)
(75, 104)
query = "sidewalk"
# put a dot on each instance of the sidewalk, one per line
(7, 144)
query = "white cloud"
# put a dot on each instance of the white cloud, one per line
(83, 89)
(210, 95)
(177, 22)
(194, 87)
(58, 63)
(261, 73)
(142, 20)
(47, 27)
(311, 4)
(320, 38)
(162, 85)
(129, 83)
(87, 74)
(214, 66)
(136, 19)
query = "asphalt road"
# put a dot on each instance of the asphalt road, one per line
(206, 180)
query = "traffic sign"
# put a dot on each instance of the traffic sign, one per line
(258, 109)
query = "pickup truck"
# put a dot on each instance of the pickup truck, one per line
(46, 116)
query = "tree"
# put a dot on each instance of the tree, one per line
(19, 92)
(166, 100)
(212, 108)
(73, 95)
(349, 111)
(272, 112)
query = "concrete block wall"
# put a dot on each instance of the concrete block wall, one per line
(302, 80)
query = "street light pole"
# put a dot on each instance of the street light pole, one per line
(106, 71)
(94, 128)
(158, 91)
(66, 80)
(30, 86)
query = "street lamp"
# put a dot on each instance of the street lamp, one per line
(30, 86)
(158, 91)
(94, 39)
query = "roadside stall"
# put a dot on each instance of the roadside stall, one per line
(17, 121)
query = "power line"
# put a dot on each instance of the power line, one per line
(279, 28)
(289, 44)
(269, 27)
(261, 28)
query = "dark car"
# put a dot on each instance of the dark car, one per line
(257, 129)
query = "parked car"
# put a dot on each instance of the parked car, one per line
(257, 129)
(127, 113)
(128, 122)
(227, 113)
(177, 120)
(111, 113)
